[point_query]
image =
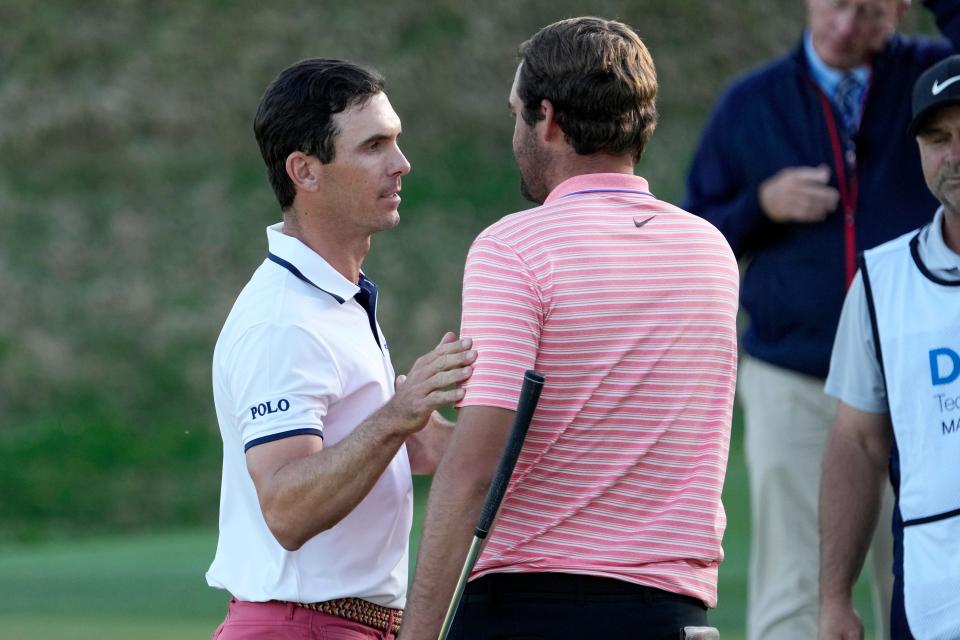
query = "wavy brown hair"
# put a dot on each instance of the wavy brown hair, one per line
(601, 80)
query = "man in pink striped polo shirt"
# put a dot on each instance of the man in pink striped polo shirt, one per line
(612, 522)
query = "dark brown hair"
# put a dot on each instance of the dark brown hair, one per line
(296, 114)
(600, 79)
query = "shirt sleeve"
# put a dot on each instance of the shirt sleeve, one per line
(855, 376)
(282, 379)
(719, 187)
(503, 314)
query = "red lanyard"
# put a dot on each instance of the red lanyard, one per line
(847, 186)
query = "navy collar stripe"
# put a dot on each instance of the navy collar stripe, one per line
(366, 297)
(292, 269)
(634, 191)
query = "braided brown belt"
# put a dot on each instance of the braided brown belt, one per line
(360, 610)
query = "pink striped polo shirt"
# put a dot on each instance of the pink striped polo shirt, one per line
(628, 305)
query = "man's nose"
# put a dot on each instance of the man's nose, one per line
(400, 166)
(952, 154)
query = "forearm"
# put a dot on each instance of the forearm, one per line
(850, 495)
(456, 498)
(312, 494)
(452, 512)
(305, 488)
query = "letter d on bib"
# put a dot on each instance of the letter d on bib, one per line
(950, 360)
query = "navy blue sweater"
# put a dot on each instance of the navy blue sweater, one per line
(773, 118)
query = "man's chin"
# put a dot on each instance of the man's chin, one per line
(392, 219)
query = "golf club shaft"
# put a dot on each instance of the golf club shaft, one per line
(526, 405)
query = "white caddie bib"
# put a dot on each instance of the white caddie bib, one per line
(916, 320)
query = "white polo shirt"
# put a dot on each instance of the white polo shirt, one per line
(298, 354)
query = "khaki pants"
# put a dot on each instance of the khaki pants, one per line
(787, 419)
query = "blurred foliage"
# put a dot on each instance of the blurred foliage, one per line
(133, 202)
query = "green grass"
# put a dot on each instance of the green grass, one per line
(152, 586)
(148, 586)
(103, 628)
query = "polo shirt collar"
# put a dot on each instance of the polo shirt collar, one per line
(309, 264)
(936, 255)
(599, 182)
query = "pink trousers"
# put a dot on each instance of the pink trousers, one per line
(286, 621)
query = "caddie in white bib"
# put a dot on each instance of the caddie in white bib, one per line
(916, 321)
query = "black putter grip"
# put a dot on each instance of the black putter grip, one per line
(529, 396)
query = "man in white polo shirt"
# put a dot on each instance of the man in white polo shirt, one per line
(316, 497)
(896, 371)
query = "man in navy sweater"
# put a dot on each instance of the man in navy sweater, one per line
(804, 163)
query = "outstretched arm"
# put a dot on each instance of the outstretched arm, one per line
(305, 488)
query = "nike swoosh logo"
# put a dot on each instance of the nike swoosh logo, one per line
(640, 223)
(938, 87)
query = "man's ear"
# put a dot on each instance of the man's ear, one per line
(550, 131)
(304, 171)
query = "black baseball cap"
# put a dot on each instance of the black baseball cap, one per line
(936, 87)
